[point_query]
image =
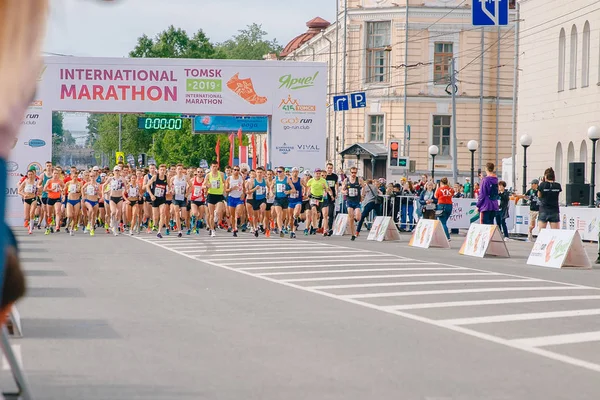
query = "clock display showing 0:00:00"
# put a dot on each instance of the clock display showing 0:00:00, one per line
(161, 123)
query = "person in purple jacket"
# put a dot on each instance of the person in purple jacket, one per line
(488, 200)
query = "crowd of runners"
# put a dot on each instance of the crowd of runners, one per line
(183, 201)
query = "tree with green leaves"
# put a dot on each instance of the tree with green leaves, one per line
(93, 120)
(249, 44)
(175, 43)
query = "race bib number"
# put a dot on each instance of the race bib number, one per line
(73, 188)
(353, 192)
(133, 192)
(197, 191)
(331, 183)
(280, 187)
(314, 202)
(28, 188)
(54, 187)
(159, 192)
(215, 184)
(294, 195)
(90, 190)
(115, 185)
(260, 190)
(179, 190)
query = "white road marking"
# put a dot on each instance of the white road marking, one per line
(521, 317)
(456, 291)
(16, 348)
(341, 278)
(418, 283)
(333, 271)
(273, 251)
(558, 339)
(304, 265)
(459, 329)
(304, 257)
(490, 302)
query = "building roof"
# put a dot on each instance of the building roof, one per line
(370, 149)
(315, 26)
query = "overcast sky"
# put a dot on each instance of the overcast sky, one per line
(87, 28)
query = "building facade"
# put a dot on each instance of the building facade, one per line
(402, 62)
(559, 87)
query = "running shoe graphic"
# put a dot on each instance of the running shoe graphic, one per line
(245, 89)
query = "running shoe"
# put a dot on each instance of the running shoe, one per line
(179, 234)
(47, 231)
(235, 233)
(293, 235)
(281, 234)
(30, 230)
(92, 233)
(213, 234)
(255, 233)
(158, 235)
(189, 232)
(167, 232)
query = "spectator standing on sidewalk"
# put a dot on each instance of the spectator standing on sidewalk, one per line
(502, 214)
(548, 193)
(487, 203)
(444, 195)
(408, 207)
(534, 207)
(428, 201)
(468, 188)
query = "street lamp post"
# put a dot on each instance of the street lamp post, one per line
(473, 145)
(433, 151)
(526, 141)
(593, 134)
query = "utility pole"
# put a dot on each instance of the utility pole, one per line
(406, 147)
(514, 106)
(454, 141)
(120, 132)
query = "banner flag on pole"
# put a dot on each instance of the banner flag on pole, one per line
(218, 151)
(231, 147)
(253, 141)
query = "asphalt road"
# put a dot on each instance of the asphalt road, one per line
(315, 318)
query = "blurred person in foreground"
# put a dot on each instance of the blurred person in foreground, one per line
(22, 27)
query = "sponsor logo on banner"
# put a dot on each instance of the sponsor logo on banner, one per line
(12, 166)
(30, 119)
(308, 148)
(293, 106)
(552, 250)
(12, 192)
(41, 75)
(36, 104)
(296, 123)
(38, 167)
(293, 82)
(284, 149)
(36, 143)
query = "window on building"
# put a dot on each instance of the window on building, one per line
(442, 58)
(585, 56)
(375, 128)
(441, 133)
(573, 59)
(378, 51)
(562, 50)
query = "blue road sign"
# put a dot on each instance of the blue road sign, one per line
(489, 12)
(358, 100)
(340, 103)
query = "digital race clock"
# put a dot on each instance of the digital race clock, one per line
(172, 123)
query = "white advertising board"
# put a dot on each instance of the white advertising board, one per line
(557, 248)
(429, 233)
(383, 228)
(483, 240)
(584, 220)
(293, 94)
(464, 213)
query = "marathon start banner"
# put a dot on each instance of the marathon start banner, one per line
(293, 95)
